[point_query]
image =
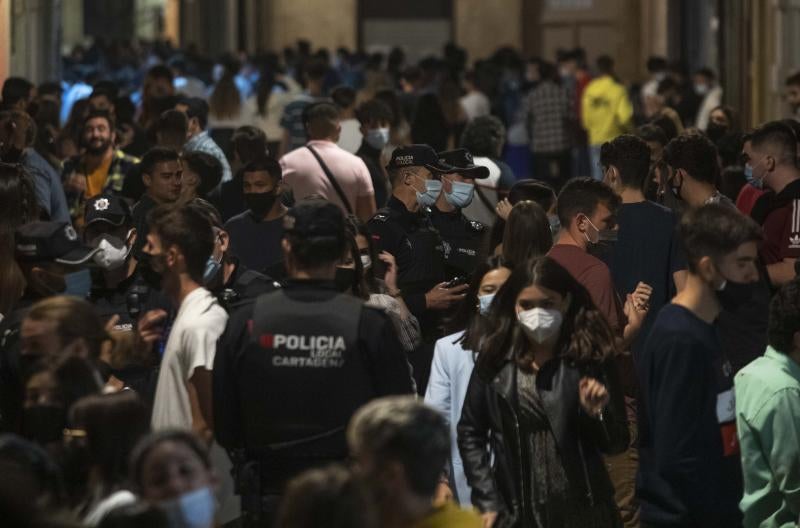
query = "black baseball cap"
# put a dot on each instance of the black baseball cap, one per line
(462, 160)
(51, 241)
(107, 208)
(418, 156)
(315, 218)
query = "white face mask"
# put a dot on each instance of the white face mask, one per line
(191, 510)
(366, 261)
(540, 324)
(113, 252)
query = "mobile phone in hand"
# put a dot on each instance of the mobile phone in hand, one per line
(457, 281)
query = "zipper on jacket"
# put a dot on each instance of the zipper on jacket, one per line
(523, 513)
(583, 465)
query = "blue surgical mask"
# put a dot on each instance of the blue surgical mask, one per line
(377, 138)
(748, 173)
(555, 224)
(432, 190)
(461, 196)
(191, 510)
(212, 268)
(78, 284)
(484, 302)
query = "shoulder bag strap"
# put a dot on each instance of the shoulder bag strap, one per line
(331, 178)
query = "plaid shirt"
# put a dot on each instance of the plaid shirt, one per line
(120, 165)
(549, 112)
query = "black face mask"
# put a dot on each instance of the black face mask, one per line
(734, 295)
(43, 424)
(715, 131)
(11, 155)
(651, 190)
(345, 278)
(260, 203)
(676, 189)
(150, 276)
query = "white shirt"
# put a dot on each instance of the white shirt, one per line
(712, 100)
(104, 507)
(350, 138)
(477, 210)
(192, 343)
(475, 104)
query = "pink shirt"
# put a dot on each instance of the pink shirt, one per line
(304, 175)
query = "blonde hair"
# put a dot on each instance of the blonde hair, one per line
(74, 319)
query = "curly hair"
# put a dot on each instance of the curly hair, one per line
(695, 154)
(585, 336)
(784, 317)
(631, 157)
(484, 136)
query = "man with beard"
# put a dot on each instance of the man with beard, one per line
(17, 135)
(100, 169)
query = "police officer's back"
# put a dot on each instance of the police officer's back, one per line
(463, 238)
(292, 368)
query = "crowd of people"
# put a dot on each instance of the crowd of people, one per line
(305, 290)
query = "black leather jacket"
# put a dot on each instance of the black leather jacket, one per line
(490, 416)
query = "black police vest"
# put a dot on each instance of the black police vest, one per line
(426, 262)
(302, 376)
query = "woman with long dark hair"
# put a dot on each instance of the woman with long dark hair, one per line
(527, 233)
(106, 427)
(454, 358)
(226, 108)
(18, 206)
(543, 403)
(273, 92)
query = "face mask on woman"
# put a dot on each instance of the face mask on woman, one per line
(377, 138)
(345, 278)
(540, 324)
(194, 509)
(484, 302)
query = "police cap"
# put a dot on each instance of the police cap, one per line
(315, 218)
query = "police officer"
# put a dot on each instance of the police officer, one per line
(53, 262)
(117, 288)
(462, 237)
(403, 228)
(231, 282)
(292, 368)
